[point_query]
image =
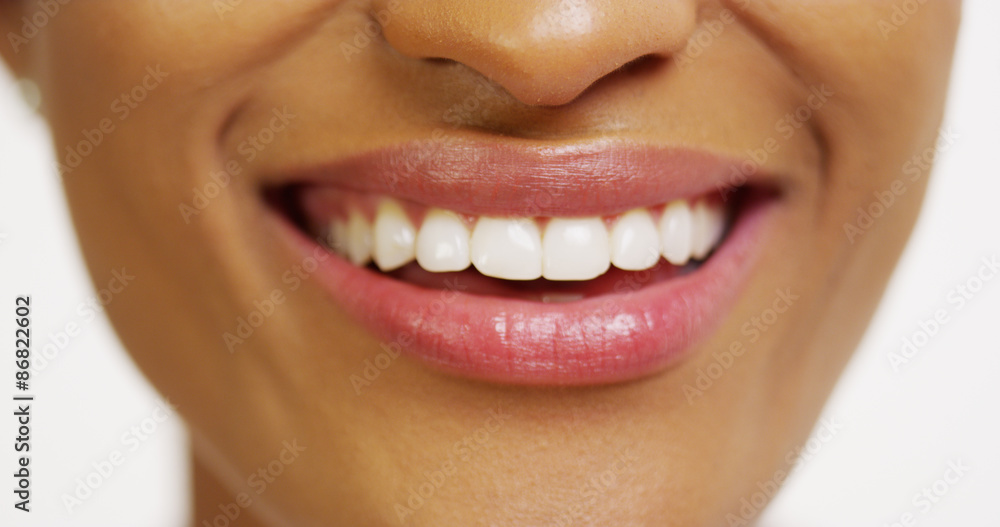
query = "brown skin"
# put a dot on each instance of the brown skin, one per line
(556, 80)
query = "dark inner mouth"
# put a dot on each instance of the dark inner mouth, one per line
(614, 281)
(287, 201)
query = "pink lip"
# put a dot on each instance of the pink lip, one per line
(512, 180)
(608, 338)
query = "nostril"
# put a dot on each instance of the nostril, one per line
(631, 71)
(549, 60)
(441, 62)
(643, 65)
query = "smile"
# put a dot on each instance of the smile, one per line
(571, 266)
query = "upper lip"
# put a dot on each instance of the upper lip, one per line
(504, 179)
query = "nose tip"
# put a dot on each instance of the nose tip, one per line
(543, 53)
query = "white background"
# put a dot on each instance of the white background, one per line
(898, 430)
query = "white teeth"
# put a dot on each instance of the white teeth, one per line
(709, 222)
(507, 248)
(359, 239)
(675, 232)
(337, 238)
(575, 249)
(635, 242)
(514, 248)
(443, 242)
(394, 237)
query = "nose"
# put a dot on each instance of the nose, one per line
(544, 53)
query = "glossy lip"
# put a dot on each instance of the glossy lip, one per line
(602, 339)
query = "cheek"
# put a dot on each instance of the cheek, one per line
(113, 45)
(885, 67)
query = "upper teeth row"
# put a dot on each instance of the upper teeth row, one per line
(517, 249)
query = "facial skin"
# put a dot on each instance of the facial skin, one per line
(676, 459)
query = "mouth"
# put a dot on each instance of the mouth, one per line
(554, 266)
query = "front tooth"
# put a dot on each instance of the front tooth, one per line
(508, 248)
(359, 238)
(394, 237)
(676, 227)
(635, 243)
(709, 221)
(575, 249)
(443, 242)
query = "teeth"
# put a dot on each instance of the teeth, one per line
(676, 226)
(443, 242)
(515, 249)
(337, 238)
(394, 237)
(507, 248)
(575, 249)
(635, 242)
(709, 222)
(359, 239)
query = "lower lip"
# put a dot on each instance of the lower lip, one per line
(598, 340)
